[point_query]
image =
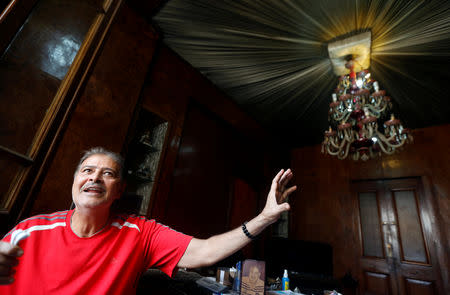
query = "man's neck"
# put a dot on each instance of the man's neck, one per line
(85, 224)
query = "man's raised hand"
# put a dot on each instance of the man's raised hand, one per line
(275, 204)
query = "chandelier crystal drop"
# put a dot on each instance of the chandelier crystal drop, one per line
(360, 126)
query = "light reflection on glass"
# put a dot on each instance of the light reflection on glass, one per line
(61, 55)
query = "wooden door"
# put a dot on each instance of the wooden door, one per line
(396, 234)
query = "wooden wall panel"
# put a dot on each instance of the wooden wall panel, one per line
(105, 108)
(322, 209)
(208, 160)
(198, 200)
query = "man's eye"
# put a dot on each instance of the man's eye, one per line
(86, 170)
(108, 173)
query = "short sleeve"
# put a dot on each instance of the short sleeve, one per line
(163, 247)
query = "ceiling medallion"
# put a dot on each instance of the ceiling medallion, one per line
(360, 125)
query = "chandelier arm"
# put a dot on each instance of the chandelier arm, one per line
(334, 144)
(332, 153)
(345, 153)
(378, 103)
(341, 145)
(383, 108)
(383, 148)
(371, 130)
(384, 138)
(348, 136)
(387, 141)
(380, 143)
(402, 142)
(374, 110)
(345, 115)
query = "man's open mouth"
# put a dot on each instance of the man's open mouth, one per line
(93, 189)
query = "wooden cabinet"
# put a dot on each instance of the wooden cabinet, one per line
(46, 48)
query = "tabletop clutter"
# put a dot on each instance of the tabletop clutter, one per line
(249, 278)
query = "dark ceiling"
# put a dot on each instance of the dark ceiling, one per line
(271, 56)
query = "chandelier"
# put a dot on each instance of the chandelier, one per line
(361, 123)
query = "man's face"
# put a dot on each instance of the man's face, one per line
(254, 274)
(97, 183)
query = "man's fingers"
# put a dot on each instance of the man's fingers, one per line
(10, 250)
(284, 179)
(6, 271)
(277, 177)
(8, 261)
(287, 192)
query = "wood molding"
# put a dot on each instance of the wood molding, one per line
(11, 19)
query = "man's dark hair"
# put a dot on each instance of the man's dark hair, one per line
(102, 151)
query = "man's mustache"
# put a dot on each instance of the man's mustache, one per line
(89, 185)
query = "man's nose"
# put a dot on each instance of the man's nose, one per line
(96, 176)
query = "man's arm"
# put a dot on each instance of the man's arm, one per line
(206, 252)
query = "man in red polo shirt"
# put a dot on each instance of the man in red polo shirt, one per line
(90, 250)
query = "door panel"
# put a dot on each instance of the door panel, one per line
(370, 225)
(378, 283)
(417, 287)
(411, 234)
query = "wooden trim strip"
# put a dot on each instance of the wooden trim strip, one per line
(7, 10)
(24, 160)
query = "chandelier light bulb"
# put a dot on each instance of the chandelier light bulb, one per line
(376, 87)
(334, 96)
(359, 83)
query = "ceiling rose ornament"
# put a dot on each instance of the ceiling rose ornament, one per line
(361, 123)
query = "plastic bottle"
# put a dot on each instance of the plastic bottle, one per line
(237, 277)
(285, 281)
